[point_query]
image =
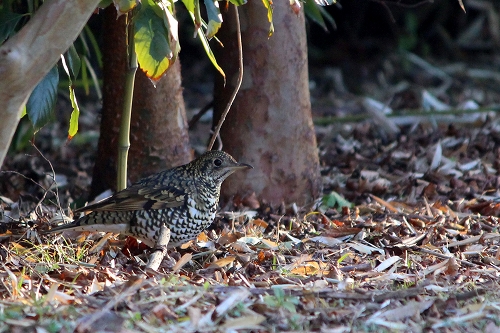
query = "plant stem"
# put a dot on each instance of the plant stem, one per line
(238, 83)
(124, 136)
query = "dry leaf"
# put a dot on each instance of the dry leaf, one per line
(222, 262)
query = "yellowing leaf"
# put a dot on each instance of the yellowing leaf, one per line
(151, 39)
(269, 6)
(310, 268)
(75, 114)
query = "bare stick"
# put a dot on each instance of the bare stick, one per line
(238, 83)
(160, 249)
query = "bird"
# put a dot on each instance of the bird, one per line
(184, 199)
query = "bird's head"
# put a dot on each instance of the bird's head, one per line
(218, 165)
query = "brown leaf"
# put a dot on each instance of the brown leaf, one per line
(164, 313)
(222, 262)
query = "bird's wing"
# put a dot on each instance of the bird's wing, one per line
(138, 196)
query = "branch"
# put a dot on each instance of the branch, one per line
(30, 54)
(238, 83)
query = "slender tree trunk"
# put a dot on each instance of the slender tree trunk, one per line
(159, 138)
(270, 124)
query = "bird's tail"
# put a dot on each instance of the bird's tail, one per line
(98, 221)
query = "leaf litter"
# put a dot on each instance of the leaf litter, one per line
(417, 251)
(404, 239)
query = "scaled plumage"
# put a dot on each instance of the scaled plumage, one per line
(184, 198)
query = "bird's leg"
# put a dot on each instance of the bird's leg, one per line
(160, 249)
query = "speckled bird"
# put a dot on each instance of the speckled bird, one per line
(184, 198)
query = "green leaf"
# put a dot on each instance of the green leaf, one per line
(152, 41)
(326, 15)
(214, 17)
(344, 256)
(8, 23)
(104, 3)
(124, 6)
(208, 51)
(75, 115)
(41, 103)
(238, 2)
(90, 35)
(290, 307)
(85, 78)
(171, 24)
(95, 79)
(313, 13)
(335, 200)
(73, 61)
(189, 4)
(269, 7)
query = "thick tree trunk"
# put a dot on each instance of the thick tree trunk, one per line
(270, 124)
(114, 58)
(159, 131)
(159, 137)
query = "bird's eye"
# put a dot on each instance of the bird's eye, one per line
(217, 162)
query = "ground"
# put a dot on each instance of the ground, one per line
(404, 239)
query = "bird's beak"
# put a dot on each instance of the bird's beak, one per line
(243, 166)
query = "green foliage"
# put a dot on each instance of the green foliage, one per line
(41, 103)
(315, 12)
(206, 46)
(155, 37)
(9, 22)
(73, 61)
(123, 6)
(71, 64)
(269, 7)
(214, 18)
(280, 300)
(335, 200)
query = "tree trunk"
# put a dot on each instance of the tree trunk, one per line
(159, 138)
(159, 131)
(31, 53)
(270, 124)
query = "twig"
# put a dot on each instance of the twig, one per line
(160, 249)
(238, 82)
(200, 114)
(56, 193)
(444, 256)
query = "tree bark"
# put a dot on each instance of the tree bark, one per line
(114, 56)
(159, 133)
(159, 130)
(270, 124)
(30, 54)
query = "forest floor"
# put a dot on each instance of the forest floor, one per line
(404, 239)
